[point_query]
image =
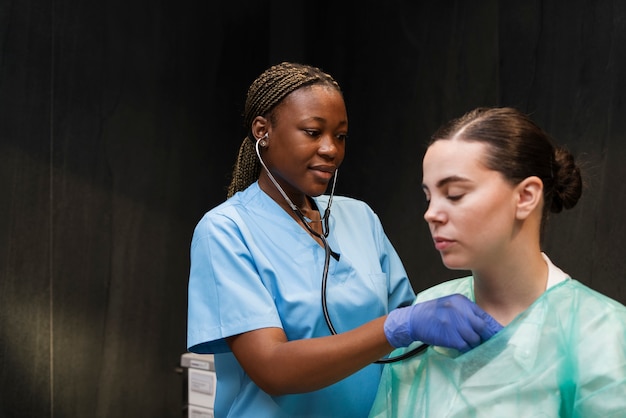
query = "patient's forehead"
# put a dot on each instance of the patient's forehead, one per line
(454, 157)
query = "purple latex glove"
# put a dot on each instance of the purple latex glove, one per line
(452, 321)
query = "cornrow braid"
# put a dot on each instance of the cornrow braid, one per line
(264, 94)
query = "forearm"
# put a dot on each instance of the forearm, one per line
(279, 366)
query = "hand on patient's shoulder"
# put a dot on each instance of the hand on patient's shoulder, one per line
(451, 321)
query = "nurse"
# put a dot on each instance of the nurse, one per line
(257, 264)
(491, 178)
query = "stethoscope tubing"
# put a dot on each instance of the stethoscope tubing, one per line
(327, 254)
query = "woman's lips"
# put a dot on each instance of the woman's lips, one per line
(442, 243)
(324, 172)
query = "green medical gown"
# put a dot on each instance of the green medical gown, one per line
(565, 356)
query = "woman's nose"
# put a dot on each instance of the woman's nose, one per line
(433, 213)
(328, 146)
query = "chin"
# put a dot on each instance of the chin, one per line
(318, 191)
(454, 263)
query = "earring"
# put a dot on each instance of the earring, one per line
(262, 141)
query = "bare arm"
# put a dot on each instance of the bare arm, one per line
(279, 366)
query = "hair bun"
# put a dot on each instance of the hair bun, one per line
(568, 182)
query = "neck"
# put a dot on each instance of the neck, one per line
(299, 199)
(510, 286)
(304, 203)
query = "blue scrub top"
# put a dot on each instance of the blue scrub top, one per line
(253, 266)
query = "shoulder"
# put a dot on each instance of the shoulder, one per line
(353, 217)
(230, 213)
(347, 208)
(463, 285)
(590, 299)
(343, 202)
(595, 313)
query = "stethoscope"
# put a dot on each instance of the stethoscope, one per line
(327, 252)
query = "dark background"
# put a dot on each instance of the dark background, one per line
(120, 121)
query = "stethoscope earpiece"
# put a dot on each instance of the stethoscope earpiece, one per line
(263, 140)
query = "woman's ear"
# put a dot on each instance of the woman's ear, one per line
(259, 127)
(529, 196)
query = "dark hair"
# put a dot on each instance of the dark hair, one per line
(518, 149)
(264, 94)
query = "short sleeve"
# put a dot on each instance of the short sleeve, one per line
(226, 295)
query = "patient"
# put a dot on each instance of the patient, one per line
(491, 178)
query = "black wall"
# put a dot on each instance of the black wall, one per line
(120, 121)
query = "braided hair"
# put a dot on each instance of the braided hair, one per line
(264, 94)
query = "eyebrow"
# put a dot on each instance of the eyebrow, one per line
(443, 182)
(343, 122)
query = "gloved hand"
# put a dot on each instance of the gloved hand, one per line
(451, 321)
